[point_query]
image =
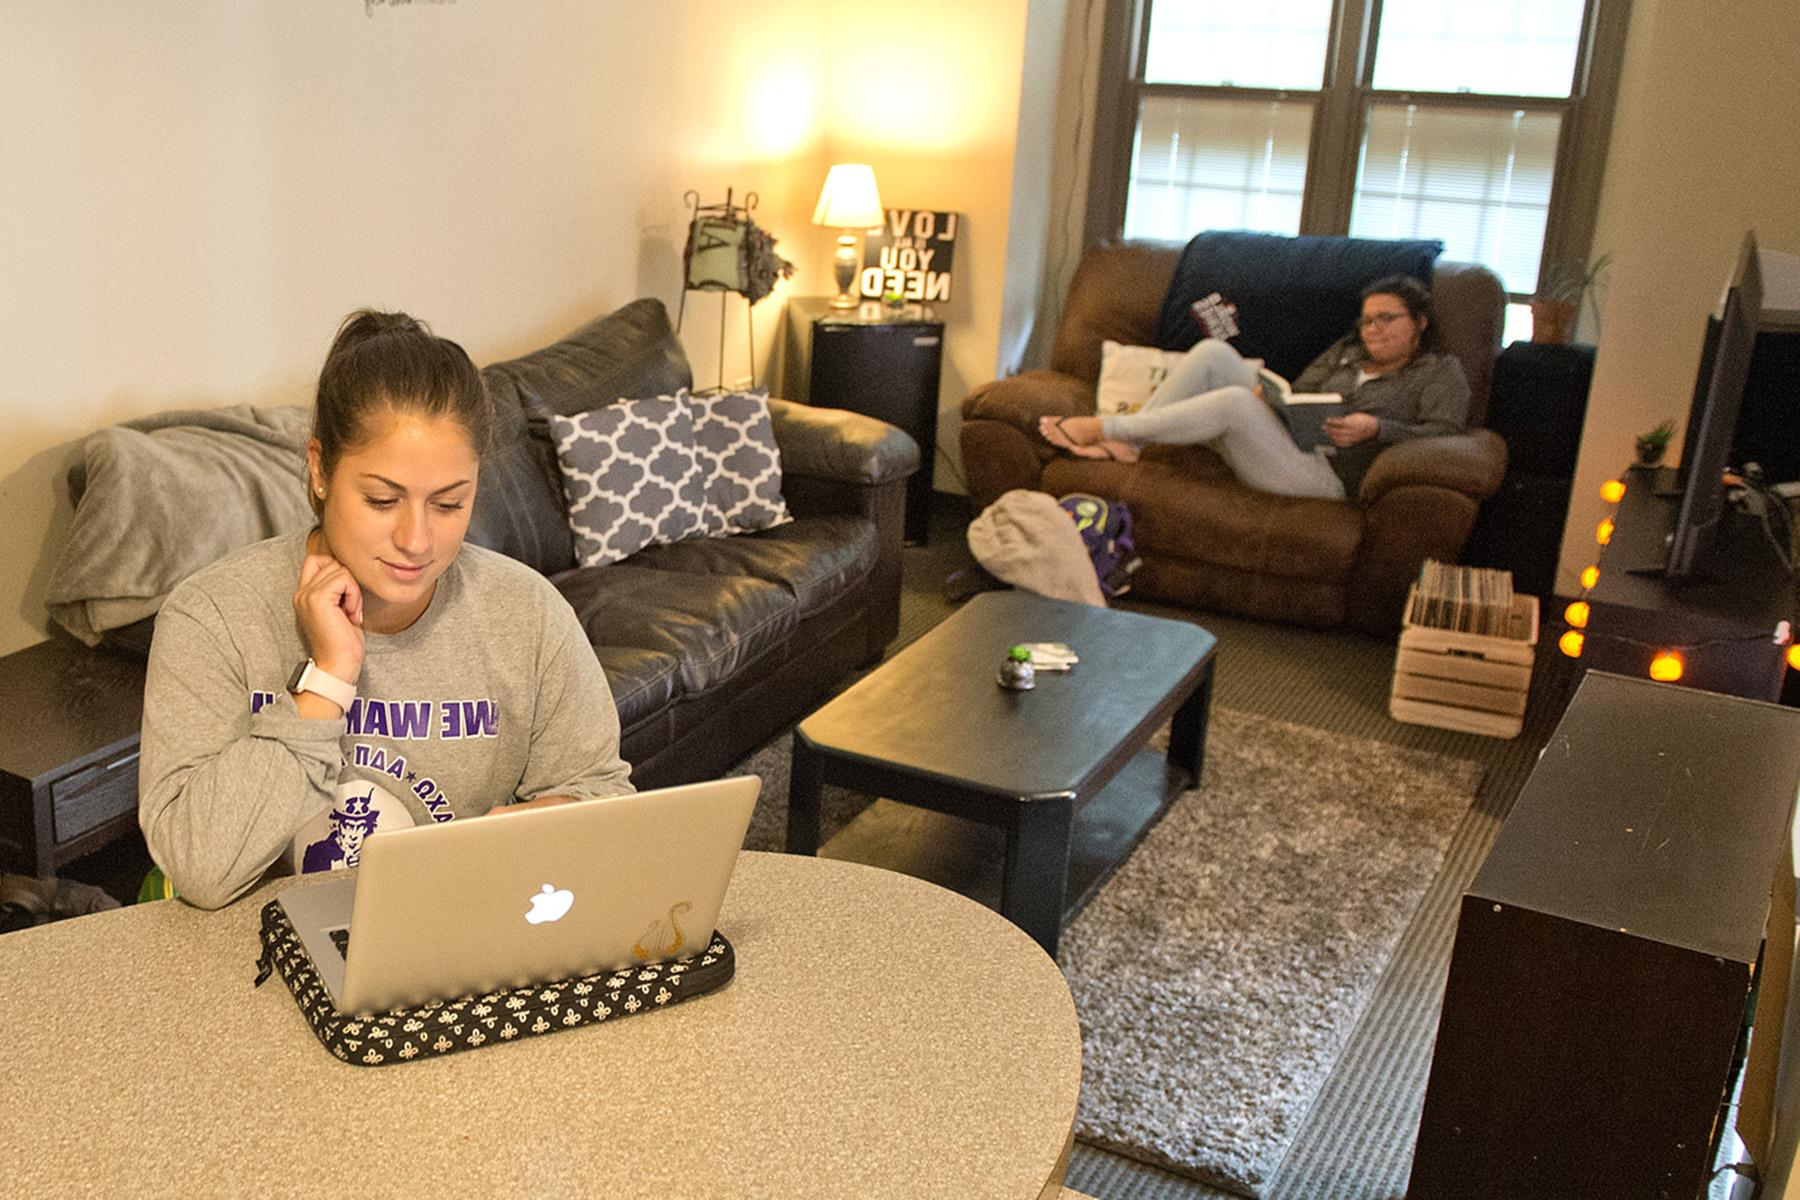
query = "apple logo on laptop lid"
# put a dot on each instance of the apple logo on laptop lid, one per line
(549, 905)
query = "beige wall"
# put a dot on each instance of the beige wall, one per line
(196, 192)
(927, 92)
(1704, 146)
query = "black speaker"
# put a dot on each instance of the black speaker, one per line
(1539, 404)
(1520, 528)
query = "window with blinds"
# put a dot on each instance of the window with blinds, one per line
(1476, 179)
(1217, 163)
(1445, 120)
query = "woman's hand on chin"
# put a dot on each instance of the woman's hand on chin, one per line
(329, 606)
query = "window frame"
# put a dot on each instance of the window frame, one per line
(1340, 107)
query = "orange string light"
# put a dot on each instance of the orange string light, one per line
(1604, 533)
(1577, 614)
(1612, 491)
(1570, 643)
(1666, 667)
(1589, 577)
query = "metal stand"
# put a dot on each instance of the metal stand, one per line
(700, 238)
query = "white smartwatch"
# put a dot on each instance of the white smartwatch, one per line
(309, 677)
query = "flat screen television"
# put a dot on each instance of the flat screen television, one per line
(1712, 420)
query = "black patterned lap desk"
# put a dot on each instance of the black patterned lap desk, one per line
(931, 727)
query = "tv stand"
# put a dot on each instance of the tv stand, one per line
(1724, 618)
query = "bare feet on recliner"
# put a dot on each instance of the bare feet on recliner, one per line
(1085, 438)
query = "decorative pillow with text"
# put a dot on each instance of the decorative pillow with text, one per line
(631, 477)
(1129, 374)
(734, 441)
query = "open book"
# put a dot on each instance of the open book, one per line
(1304, 413)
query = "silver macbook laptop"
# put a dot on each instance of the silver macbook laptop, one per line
(442, 911)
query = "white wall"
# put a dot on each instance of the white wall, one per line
(1703, 148)
(196, 191)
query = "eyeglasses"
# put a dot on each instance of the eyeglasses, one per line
(1378, 320)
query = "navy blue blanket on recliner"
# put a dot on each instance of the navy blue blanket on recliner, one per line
(1293, 296)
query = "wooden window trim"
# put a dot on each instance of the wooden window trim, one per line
(1339, 109)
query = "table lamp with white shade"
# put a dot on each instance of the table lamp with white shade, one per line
(848, 201)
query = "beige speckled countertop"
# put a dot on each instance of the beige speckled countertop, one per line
(883, 1037)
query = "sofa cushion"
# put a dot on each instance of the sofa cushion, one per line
(1183, 505)
(813, 558)
(712, 624)
(643, 682)
(735, 443)
(519, 506)
(630, 477)
(1294, 296)
(625, 355)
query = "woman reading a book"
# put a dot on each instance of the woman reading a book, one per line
(1394, 383)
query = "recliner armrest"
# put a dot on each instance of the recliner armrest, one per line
(846, 447)
(1019, 400)
(1472, 463)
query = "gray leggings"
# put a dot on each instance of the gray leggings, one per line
(1208, 397)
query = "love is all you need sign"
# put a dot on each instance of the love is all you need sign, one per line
(911, 254)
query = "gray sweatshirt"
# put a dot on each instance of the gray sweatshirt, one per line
(1428, 397)
(493, 694)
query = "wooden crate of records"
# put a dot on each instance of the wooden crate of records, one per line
(1465, 654)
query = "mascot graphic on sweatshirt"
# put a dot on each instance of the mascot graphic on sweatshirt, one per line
(335, 838)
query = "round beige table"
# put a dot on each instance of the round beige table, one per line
(883, 1037)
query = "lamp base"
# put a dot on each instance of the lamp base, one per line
(845, 262)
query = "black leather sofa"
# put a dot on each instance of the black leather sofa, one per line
(711, 645)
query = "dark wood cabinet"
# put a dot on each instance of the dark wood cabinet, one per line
(878, 364)
(1607, 952)
(68, 754)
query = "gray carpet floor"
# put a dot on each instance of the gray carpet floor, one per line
(1356, 1142)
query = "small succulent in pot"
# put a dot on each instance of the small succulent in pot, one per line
(1652, 445)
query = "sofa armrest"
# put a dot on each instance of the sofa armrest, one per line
(1472, 463)
(1001, 447)
(845, 447)
(1019, 400)
(1419, 501)
(838, 463)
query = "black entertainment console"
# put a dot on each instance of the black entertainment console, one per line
(1725, 617)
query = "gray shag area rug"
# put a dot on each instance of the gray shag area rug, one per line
(1220, 972)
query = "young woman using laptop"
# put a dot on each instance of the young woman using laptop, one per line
(375, 672)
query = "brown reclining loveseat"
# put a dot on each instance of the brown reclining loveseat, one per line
(1206, 540)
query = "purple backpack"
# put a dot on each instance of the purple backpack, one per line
(1105, 528)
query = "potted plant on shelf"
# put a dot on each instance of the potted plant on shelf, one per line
(1564, 288)
(1652, 445)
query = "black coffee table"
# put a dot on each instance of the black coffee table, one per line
(931, 727)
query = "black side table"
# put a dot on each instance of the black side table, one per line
(68, 753)
(1538, 404)
(881, 365)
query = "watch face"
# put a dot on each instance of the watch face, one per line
(298, 675)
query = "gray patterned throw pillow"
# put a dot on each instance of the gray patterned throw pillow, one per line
(630, 476)
(734, 440)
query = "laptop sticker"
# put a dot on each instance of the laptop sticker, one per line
(663, 938)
